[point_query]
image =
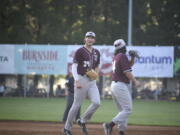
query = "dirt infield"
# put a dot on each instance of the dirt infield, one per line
(53, 128)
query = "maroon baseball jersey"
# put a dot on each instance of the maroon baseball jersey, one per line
(86, 60)
(120, 65)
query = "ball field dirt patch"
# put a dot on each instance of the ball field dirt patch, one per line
(55, 128)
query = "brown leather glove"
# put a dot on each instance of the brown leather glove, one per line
(92, 74)
(134, 53)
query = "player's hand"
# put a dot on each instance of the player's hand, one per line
(77, 84)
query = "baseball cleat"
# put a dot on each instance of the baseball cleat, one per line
(121, 133)
(107, 129)
(67, 132)
(83, 127)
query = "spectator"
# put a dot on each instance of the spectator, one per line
(59, 91)
(70, 97)
(2, 89)
(156, 93)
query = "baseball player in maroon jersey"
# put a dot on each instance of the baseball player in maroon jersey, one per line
(85, 59)
(121, 77)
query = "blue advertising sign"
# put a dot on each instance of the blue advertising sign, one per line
(38, 59)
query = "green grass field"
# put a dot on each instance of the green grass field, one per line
(51, 109)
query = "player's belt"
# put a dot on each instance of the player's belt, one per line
(82, 74)
(121, 82)
(117, 81)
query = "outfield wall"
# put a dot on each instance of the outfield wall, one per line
(155, 61)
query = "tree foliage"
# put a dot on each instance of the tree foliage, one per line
(66, 21)
(157, 23)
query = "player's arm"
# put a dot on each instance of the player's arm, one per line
(131, 62)
(132, 78)
(76, 60)
(75, 75)
(74, 71)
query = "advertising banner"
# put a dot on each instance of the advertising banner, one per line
(6, 59)
(39, 59)
(53, 59)
(154, 61)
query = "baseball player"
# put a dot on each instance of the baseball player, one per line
(84, 70)
(121, 78)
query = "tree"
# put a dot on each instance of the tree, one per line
(156, 22)
(66, 21)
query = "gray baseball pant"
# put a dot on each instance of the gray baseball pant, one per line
(89, 88)
(123, 100)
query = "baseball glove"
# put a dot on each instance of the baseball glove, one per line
(133, 53)
(92, 74)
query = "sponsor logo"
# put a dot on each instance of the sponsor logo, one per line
(3, 59)
(32, 55)
(154, 60)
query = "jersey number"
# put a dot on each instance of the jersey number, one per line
(86, 64)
